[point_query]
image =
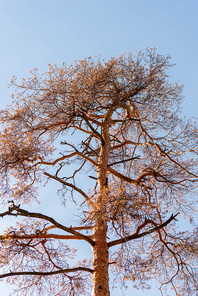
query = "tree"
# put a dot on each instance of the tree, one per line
(116, 126)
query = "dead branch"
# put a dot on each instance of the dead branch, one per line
(40, 236)
(137, 235)
(39, 273)
(123, 161)
(20, 212)
(69, 185)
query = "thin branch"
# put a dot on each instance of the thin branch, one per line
(93, 178)
(90, 118)
(57, 160)
(39, 236)
(96, 133)
(136, 235)
(74, 228)
(127, 143)
(67, 156)
(39, 273)
(21, 212)
(90, 148)
(82, 227)
(68, 184)
(124, 120)
(122, 177)
(171, 159)
(163, 152)
(136, 182)
(123, 161)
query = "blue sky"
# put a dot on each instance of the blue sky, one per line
(36, 33)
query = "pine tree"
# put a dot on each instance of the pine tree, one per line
(115, 125)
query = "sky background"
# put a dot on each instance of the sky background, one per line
(36, 33)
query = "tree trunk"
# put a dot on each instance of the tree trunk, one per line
(100, 250)
(100, 260)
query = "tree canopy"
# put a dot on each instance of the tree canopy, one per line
(117, 126)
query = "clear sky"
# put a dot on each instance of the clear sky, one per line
(36, 33)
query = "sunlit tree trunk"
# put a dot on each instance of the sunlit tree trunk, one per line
(100, 250)
(100, 260)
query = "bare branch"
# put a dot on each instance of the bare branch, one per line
(66, 157)
(40, 236)
(21, 212)
(124, 120)
(69, 185)
(123, 161)
(135, 235)
(172, 160)
(39, 273)
(121, 176)
(96, 133)
(94, 152)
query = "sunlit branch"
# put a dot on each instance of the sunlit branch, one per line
(39, 273)
(82, 129)
(57, 160)
(160, 149)
(40, 236)
(121, 176)
(92, 150)
(127, 143)
(137, 235)
(173, 254)
(74, 228)
(164, 153)
(172, 160)
(91, 119)
(124, 120)
(136, 181)
(149, 221)
(122, 144)
(82, 227)
(99, 136)
(76, 153)
(21, 212)
(68, 184)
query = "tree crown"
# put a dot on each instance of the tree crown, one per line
(118, 122)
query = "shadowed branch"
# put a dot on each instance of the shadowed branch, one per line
(68, 270)
(21, 212)
(68, 184)
(136, 235)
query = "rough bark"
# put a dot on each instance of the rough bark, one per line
(100, 250)
(100, 260)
